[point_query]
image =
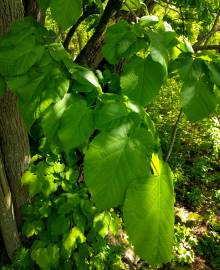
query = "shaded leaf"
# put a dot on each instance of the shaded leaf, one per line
(198, 99)
(76, 125)
(65, 12)
(142, 79)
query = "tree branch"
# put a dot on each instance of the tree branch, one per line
(207, 47)
(173, 138)
(210, 33)
(72, 31)
(89, 53)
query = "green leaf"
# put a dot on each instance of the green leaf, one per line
(111, 115)
(66, 12)
(182, 66)
(32, 182)
(198, 99)
(160, 44)
(119, 38)
(38, 89)
(58, 224)
(214, 68)
(101, 223)
(70, 241)
(148, 20)
(132, 5)
(142, 79)
(31, 228)
(76, 125)
(112, 161)
(86, 81)
(51, 120)
(46, 257)
(68, 203)
(149, 217)
(41, 257)
(18, 59)
(44, 4)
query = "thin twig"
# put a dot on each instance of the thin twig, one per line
(173, 138)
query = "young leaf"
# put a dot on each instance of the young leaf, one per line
(142, 79)
(71, 239)
(149, 217)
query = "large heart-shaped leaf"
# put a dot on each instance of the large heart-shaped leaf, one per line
(149, 216)
(114, 160)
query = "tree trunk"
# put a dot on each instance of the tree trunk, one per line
(15, 149)
(14, 143)
(31, 8)
(7, 221)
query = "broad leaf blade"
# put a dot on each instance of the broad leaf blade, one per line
(149, 217)
(112, 161)
(119, 38)
(66, 12)
(110, 115)
(198, 99)
(142, 79)
(76, 125)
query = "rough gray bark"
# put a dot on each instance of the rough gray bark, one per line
(10, 11)
(14, 143)
(15, 149)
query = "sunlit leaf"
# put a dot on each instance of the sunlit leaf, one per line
(149, 217)
(112, 161)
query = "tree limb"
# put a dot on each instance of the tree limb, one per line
(90, 52)
(72, 31)
(207, 47)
